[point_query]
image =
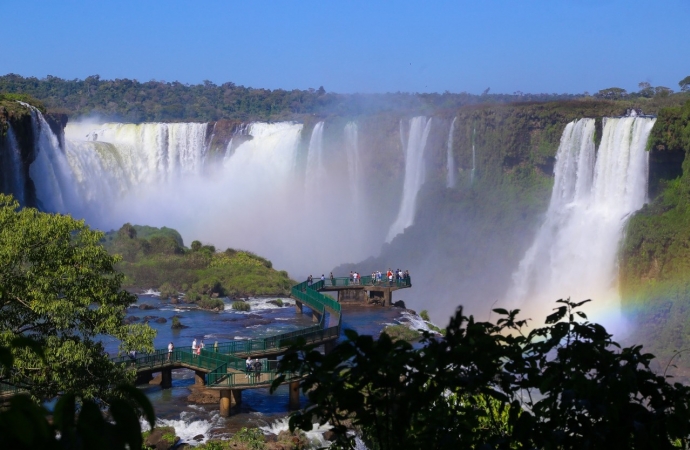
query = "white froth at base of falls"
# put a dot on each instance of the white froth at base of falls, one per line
(414, 174)
(574, 252)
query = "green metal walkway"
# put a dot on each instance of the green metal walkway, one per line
(225, 368)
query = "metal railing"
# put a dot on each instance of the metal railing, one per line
(226, 369)
(367, 280)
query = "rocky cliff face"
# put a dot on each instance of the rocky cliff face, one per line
(18, 148)
(655, 255)
(467, 241)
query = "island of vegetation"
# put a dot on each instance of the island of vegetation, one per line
(157, 258)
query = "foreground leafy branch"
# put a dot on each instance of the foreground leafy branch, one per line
(566, 385)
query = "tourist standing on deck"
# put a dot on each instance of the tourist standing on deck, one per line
(194, 348)
(249, 363)
(170, 350)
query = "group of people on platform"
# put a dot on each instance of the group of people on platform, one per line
(377, 277)
(253, 365)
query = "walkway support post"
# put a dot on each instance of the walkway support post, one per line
(225, 402)
(199, 378)
(236, 396)
(315, 317)
(298, 307)
(294, 395)
(166, 378)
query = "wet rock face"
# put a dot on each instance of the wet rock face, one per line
(146, 306)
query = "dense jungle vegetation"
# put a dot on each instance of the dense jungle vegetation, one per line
(157, 258)
(135, 101)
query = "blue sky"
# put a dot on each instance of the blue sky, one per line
(355, 46)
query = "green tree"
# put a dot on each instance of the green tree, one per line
(59, 287)
(613, 93)
(685, 84)
(76, 423)
(487, 385)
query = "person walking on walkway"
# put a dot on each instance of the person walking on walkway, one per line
(171, 347)
(194, 348)
(248, 369)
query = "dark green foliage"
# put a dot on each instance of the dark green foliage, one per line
(671, 131)
(209, 303)
(60, 288)
(684, 84)
(613, 93)
(401, 332)
(655, 261)
(239, 305)
(155, 256)
(167, 291)
(25, 425)
(486, 385)
(134, 101)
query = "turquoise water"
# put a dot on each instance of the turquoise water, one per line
(259, 407)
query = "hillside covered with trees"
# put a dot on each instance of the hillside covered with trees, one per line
(157, 258)
(134, 101)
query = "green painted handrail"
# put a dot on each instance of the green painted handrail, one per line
(222, 364)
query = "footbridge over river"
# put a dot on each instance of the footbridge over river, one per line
(221, 371)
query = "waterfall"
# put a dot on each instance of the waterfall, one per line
(450, 158)
(474, 161)
(50, 170)
(151, 152)
(574, 252)
(354, 168)
(14, 181)
(414, 174)
(316, 172)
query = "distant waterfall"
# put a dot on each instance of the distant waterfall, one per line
(474, 161)
(450, 158)
(574, 252)
(50, 171)
(316, 172)
(414, 174)
(150, 152)
(266, 161)
(354, 168)
(14, 181)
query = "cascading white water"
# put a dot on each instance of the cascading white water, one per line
(474, 161)
(50, 170)
(150, 152)
(354, 167)
(14, 180)
(574, 252)
(414, 174)
(316, 172)
(450, 158)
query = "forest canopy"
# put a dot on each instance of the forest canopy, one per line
(135, 101)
